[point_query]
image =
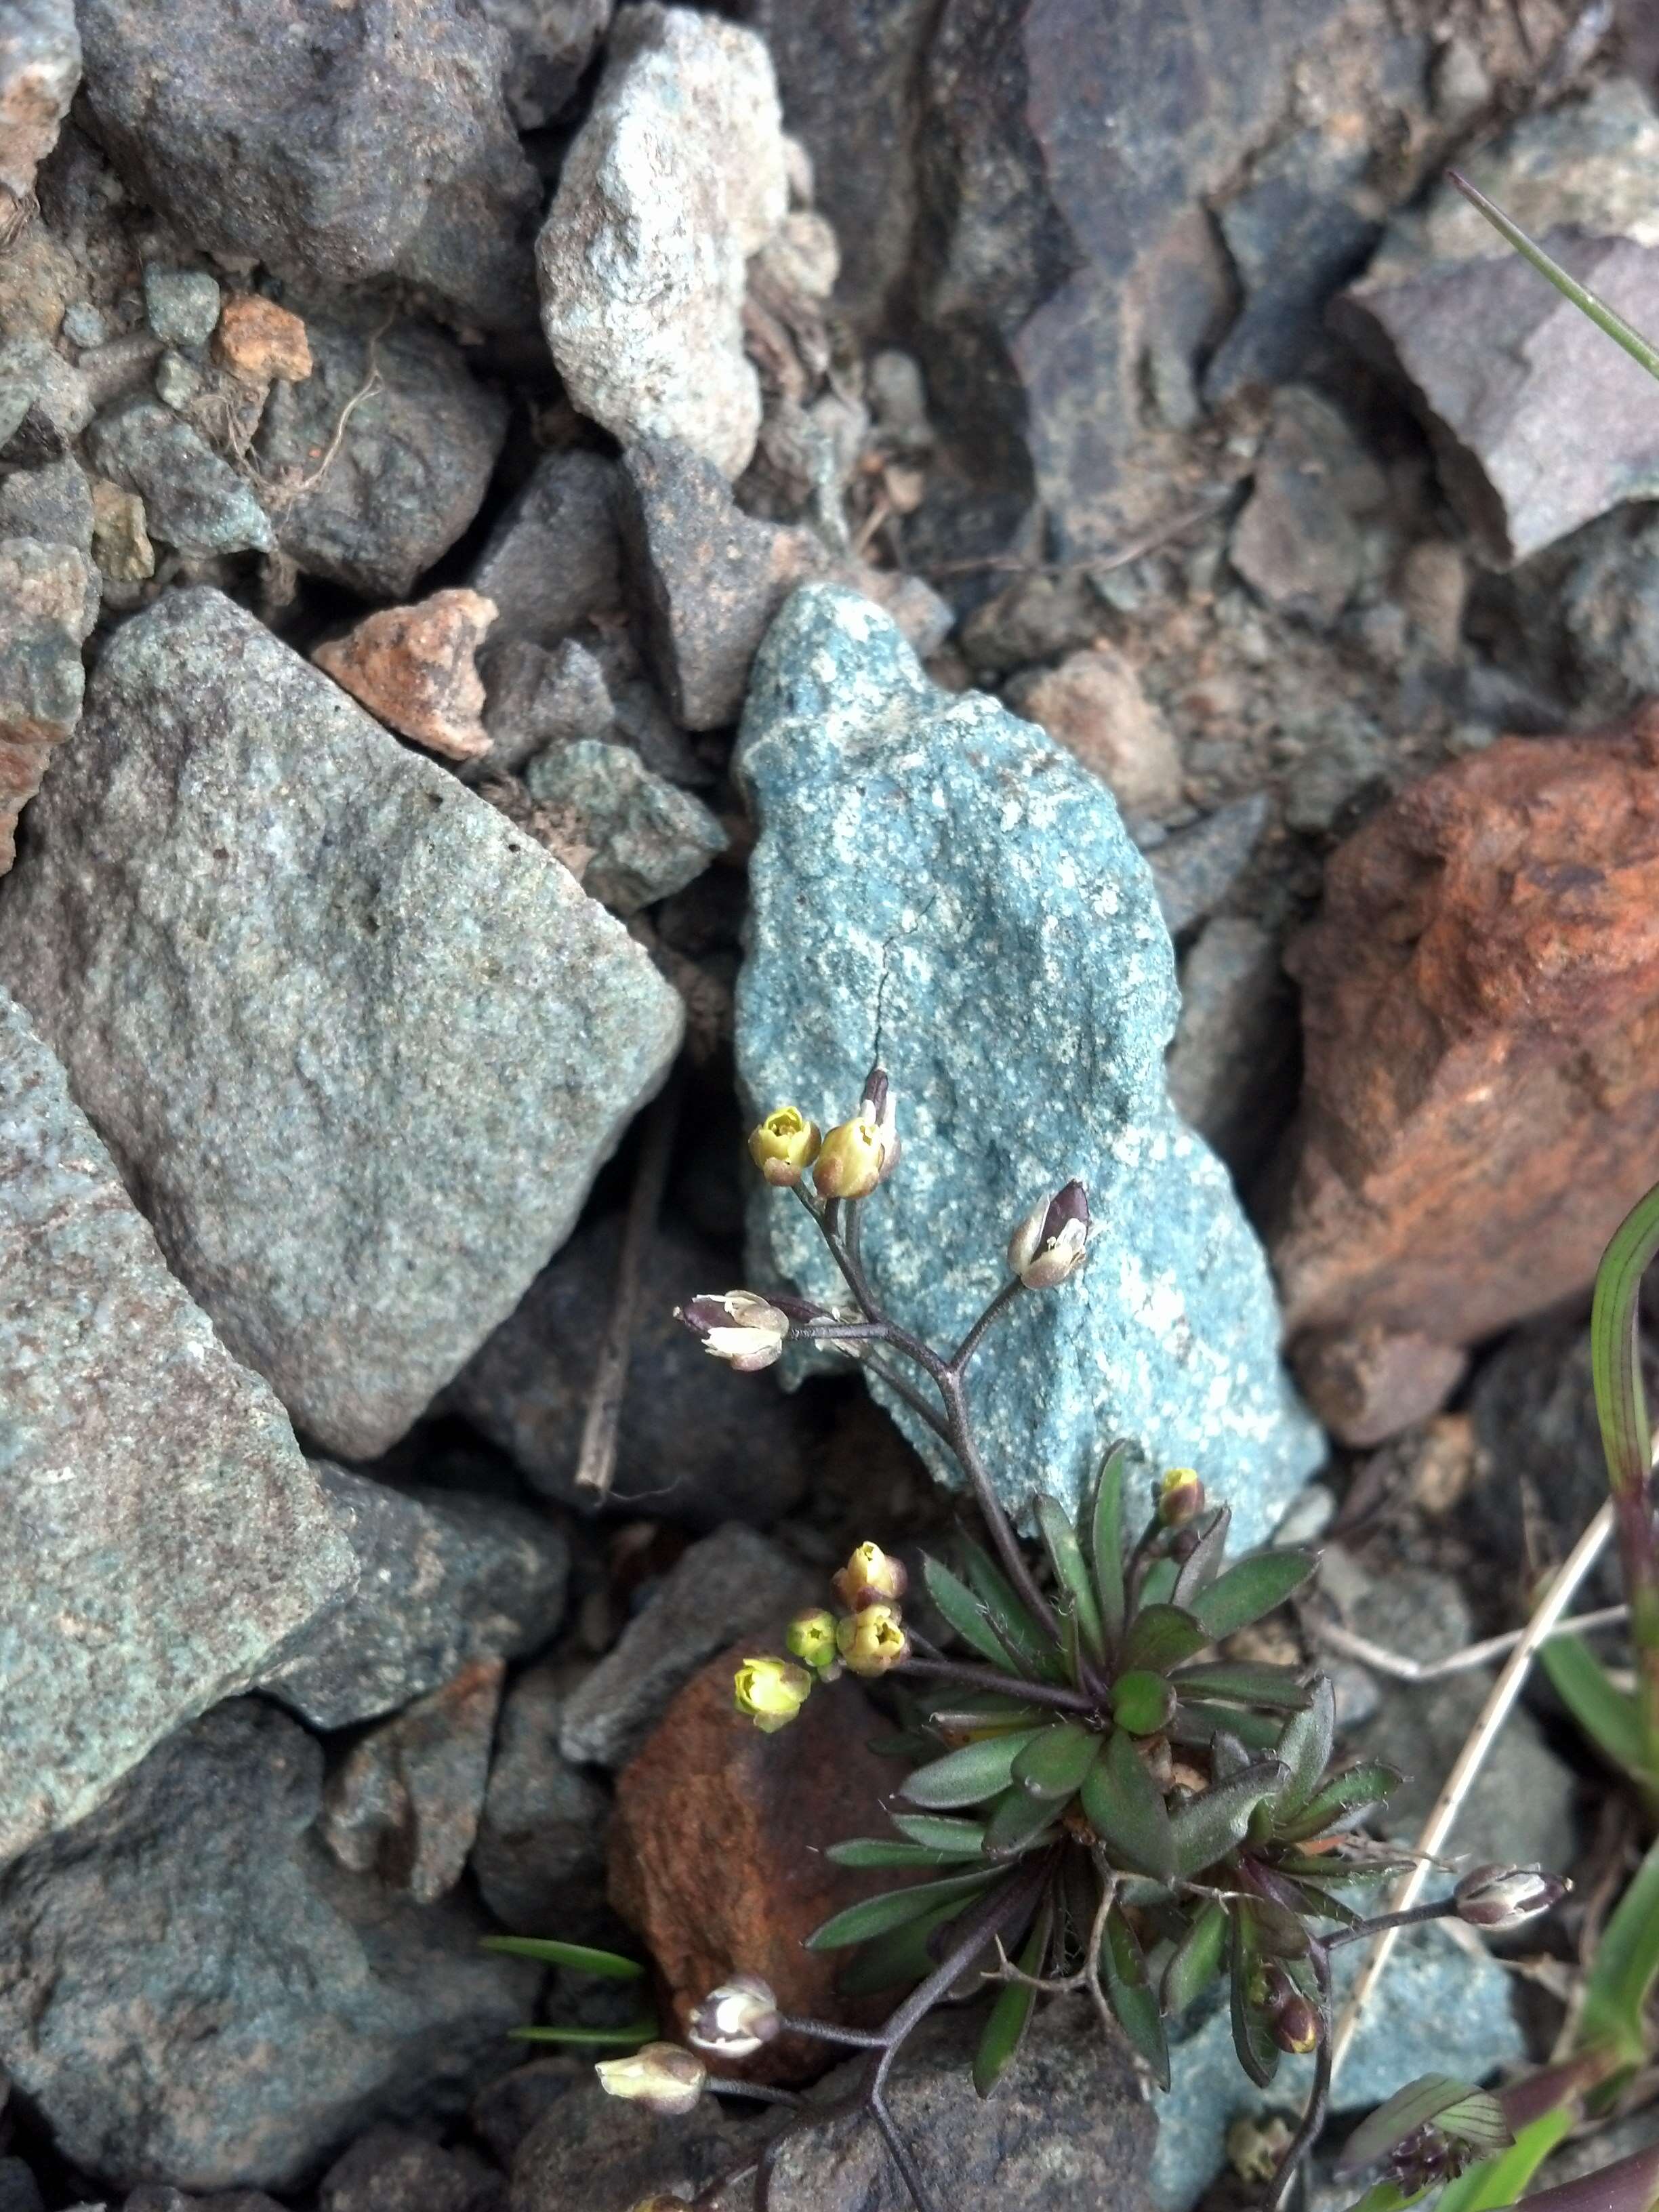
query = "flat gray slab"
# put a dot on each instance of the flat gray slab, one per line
(164, 1540)
(359, 1044)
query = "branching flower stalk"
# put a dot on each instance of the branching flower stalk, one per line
(1105, 1800)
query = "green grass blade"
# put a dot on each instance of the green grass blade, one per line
(1621, 1976)
(637, 2031)
(1504, 2179)
(1609, 1716)
(1604, 317)
(608, 1965)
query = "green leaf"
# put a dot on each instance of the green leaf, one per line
(965, 1613)
(1228, 1756)
(1065, 1557)
(973, 1711)
(636, 2033)
(1125, 1808)
(1457, 2109)
(1203, 1563)
(1160, 1637)
(1130, 1994)
(1252, 1588)
(1011, 2015)
(1609, 1716)
(876, 1914)
(882, 1851)
(1198, 1724)
(1348, 1792)
(1274, 1687)
(1505, 2179)
(1208, 1827)
(1258, 2054)
(1389, 2197)
(578, 1957)
(1006, 1613)
(1056, 1760)
(1016, 1820)
(1107, 1542)
(1158, 1584)
(969, 1775)
(1622, 1974)
(963, 1838)
(1305, 1745)
(902, 1957)
(1143, 1702)
(1197, 1961)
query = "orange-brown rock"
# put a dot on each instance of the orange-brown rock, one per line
(1093, 705)
(413, 667)
(260, 342)
(1480, 1009)
(717, 1850)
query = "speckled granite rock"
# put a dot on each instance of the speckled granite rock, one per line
(938, 885)
(174, 1538)
(649, 838)
(361, 1043)
(40, 68)
(251, 2006)
(193, 498)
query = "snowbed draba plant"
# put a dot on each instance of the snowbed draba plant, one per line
(1099, 1797)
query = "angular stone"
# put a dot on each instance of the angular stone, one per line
(1368, 1384)
(732, 1582)
(708, 579)
(692, 1447)
(649, 838)
(44, 403)
(181, 306)
(254, 2008)
(192, 499)
(677, 175)
(282, 1008)
(539, 1858)
(1479, 1004)
(444, 1579)
(1233, 1066)
(176, 1541)
(981, 922)
(367, 141)
(390, 2170)
(554, 559)
(412, 667)
(48, 600)
(404, 1804)
(40, 68)
(371, 502)
(539, 698)
(53, 503)
(709, 1793)
(120, 542)
(1295, 543)
(1194, 871)
(549, 43)
(1093, 705)
(260, 342)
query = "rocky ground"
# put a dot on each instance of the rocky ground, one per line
(570, 572)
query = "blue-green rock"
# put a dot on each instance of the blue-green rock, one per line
(939, 886)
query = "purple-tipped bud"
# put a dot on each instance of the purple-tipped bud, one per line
(879, 1105)
(1294, 2024)
(736, 2020)
(747, 1331)
(1179, 1497)
(1049, 1244)
(1494, 1897)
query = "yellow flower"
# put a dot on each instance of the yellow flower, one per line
(850, 1160)
(1179, 1497)
(770, 1693)
(784, 1144)
(810, 1637)
(869, 1575)
(873, 1639)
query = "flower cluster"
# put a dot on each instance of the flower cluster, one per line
(868, 1638)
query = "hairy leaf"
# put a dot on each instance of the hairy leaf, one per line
(1018, 1820)
(1208, 1827)
(965, 1613)
(1076, 1583)
(883, 1851)
(1007, 1614)
(1158, 1584)
(1106, 1547)
(1237, 1681)
(903, 1956)
(1258, 2054)
(1125, 1808)
(1131, 1995)
(1348, 1793)
(1198, 1723)
(876, 1914)
(1160, 1637)
(1011, 2015)
(1054, 1762)
(940, 1833)
(968, 1775)
(1203, 1563)
(1305, 1745)
(1197, 1959)
(1250, 1590)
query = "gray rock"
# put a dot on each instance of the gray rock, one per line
(1068, 2126)
(677, 175)
(1437, 2011)
(549, 43)
(181, 306)
(733, 1583)
(40, 68)
(404, 1803)
(1233, 1066)
(367, 141)
(649, 838)
(554, 559)
(84, 326)
(538, 698)
(1295, 543)
(177, 381)
(390, 2170)
(1194, 871)
(253, 2007)
(692, 1447)
(193, 498)
(936, 885)
(44, 404)
(539, 1858)
(413, 462)
(505, 2111)
(48, 601)
(159, 2197)
(19, 2189)
(443, 1579)
(308, 987)
(1610, 607)
(707, 578)
(53, 503)
(176, 1541)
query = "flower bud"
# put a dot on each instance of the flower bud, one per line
(870, 1576)
(738, 1327)
(873, 1639)
(1048, 1245)
(1294, 2024)
(879, 1104)
(737, 2019)
(784, 1145)
(770, 1693)
(664, 2077)
(810, 1637)
(850, 1160)
(1504, 1896)
(1179, 1497)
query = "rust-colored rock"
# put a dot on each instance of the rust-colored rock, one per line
(260, 342)
(717, 1849)
(413, 667)
(1481, 1008)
